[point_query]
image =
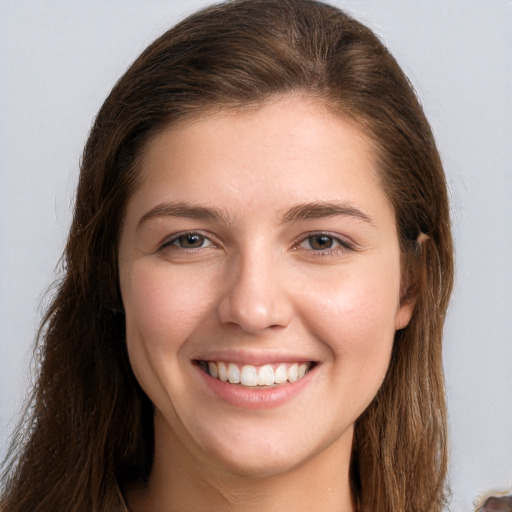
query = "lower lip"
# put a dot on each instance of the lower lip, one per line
(255, 397)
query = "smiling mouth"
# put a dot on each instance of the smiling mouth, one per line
(255, 376)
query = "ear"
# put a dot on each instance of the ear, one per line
(404, 314)
(411, 275)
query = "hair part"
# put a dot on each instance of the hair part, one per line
(90, 425)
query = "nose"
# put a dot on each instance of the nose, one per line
(256, 296)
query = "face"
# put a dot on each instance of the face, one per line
(260, 275)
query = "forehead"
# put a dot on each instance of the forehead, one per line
(291, 149)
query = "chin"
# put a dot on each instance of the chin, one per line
(267, 453)
(259, 464)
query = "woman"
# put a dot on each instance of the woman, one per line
(257, 275)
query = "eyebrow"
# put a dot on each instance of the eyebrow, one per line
(300, 212)
(187, 211)
(323, 209)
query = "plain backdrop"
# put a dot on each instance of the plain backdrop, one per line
(59, 60)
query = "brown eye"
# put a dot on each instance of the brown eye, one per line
(325, 244)
(190, 241)
(321, 242)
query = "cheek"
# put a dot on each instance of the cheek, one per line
(162, 306)
(353, 313)
(162, 310)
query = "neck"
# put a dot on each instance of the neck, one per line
(181, 483)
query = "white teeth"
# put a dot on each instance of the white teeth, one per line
(266, 375)
(233, 374)
(249, 375)
(293, 372)
(281, 374)
(223, 372)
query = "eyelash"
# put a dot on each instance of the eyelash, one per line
(171, 242)
(340, 245)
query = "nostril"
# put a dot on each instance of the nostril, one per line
(255, 313)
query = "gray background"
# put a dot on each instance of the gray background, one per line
(58, 60)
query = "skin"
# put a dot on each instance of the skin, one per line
(259, 286)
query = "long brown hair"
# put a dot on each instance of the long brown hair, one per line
(89, 426)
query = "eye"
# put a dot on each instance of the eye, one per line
(188, 241)
(323, 242)
(320, 242)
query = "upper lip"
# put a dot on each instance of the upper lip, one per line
(256, 358)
